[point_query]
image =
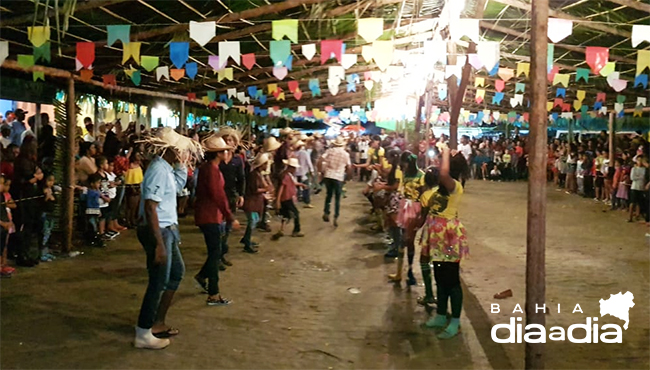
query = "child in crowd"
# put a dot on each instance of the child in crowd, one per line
(94, 197)
(495, 174)
(637, 193)
(580, 174)
(6, 226)
(132, 179)
(10, 205)
(49, 202)
(623, 186)
(112, 225)
(256, 187)
(104, 201)
(285, 200)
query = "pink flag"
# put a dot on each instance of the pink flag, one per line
(213, 61)
(499, 85)
(248, 60)
(297, 94)
(597, 57)
(280, 72)
(601, 97)
(558, 102)
(329, 47)
(293, 86)
(552, 73)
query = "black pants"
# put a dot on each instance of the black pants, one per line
(589, 186)
(288, 211)
(210, 269)
(447, 275)
(334, 188)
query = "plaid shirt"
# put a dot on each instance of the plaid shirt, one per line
(121, 165)
(336, 160)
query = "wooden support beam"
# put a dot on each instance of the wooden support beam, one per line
(85, 6)
(559, 14)
(536, 220)
(638, 5)
(69, 180)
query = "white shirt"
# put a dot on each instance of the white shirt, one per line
(89, 138)
(466, 149)
(112, 192)
(336, 160)
(363, 148)
(5, 142)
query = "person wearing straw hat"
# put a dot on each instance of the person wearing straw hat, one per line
(159, 235)
(271, 145)
(285, 199)
(254, 202)
(211, 211)
(304, 171)
(334, 165)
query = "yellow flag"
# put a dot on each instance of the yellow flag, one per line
(132, 49)
(272, 88)
(383, 53)
(480, 93)
(580, 94)
(608, 69)
(225, 73)
(285, 27)
(549, 106)
(642, 61)
(370, 28)
(479, 81)
(638, 112)
(524, 68)
(577, 104)
(281, 96)
(561, 78)
(367, 53)
(38, 35)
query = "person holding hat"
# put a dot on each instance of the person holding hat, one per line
(211, 210)
(159, 235)
(334, 165)
(18, 127)
(285, 198)
(254, 203)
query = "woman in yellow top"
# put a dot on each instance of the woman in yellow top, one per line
(408, 213)
(389, 192)
(132, 179)
(444, 240)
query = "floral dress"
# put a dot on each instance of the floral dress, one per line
(409, 205)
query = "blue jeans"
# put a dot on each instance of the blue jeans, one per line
(305, 192)
(48, 225)
(253, 218)
(210, 269)
(161, 277)
(334, 187)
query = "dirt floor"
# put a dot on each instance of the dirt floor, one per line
(292, 307)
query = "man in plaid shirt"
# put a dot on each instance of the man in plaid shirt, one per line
(333, 165)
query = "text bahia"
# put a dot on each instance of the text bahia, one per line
(535, 333)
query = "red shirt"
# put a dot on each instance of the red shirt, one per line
(7, 169)
(290, 190)
(121, 165)
(211, 205)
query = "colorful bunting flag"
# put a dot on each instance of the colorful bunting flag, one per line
(640, 33)
(561, 78)
(213, 61)
(120, 32)
(285, 27)
(179, 52)
(480, 95)
(479, 81)
(248, 60)
(560, 92)
(149, 63)
(580, 95)
(506, 73)
(109, 80)
(582, 73)
(596, 57)
(641, 80)
(86, 54)
(229, 49)
(162, 72)
(329, 48)
(442, 91)
(559, 29)
(38, 35)
(293, 85)
(4, 51)
(608, 69)
(601, 97)
(497, 98)
(552, 73)
(348, 60)
(523, 68)
(499, 85)
(129, 50)
(520, 87)
(25, 61)
(464, 27)
(642, 61)
(280, 51)
(308, 51)
(136, 78)
(226, 73)
(475, 61)
(38, 75)
(280, 72)
(191, 69)
(489, 53)
(86, 74)
(550, 51)
(370, 28)
(202, 32)
(177, 73)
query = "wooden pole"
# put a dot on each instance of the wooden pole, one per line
(536, 222)
(69, 180)
(37, 120)
(137, 120)
(95, 116)
(612, 138)
(183, 118)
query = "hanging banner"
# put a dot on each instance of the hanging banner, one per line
(506, 73)
(248, 60)
(202, 32)
(640, 33)
(285, 27)
(149, 63)
(179, 52)
(191, 69)
(370, 28)
(607, 69)
(129, 50)
(489, 52)
(280, 72)
(596, 57)
(4, 51)
(177, 73)
(499, 85)
(383, 53)
(642, 61)
(280, 51)
(523, 68)
(582, 73)
(38, 35)
(120, 32)
(229, 49)
(348, 60)
(226, 73)
(162, 72)
(559, 29)
(331, 48)
(308, 51)
(43, 52)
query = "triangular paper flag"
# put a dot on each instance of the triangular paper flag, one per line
(38, 75)
(577, 104)
(601, 97)
(523, 68)
(177, 73)
(641, 80)
(213, 61)
(499, 85)
(506, 73)
(607, 69)
(4, 51)
(43, 52)
(25, 61)
(280, 72)
(38, 35)
(202, 32)
(642, 61)
(132, 49)
(582, 73)
(136, 78)
(640, 33)
(475, 61)
(120, 32)
(336, 72)
(641, 101)
(191, 70)
(333, 86)
(560, 92)
(329, 48)
(109, 80)
(86, 53)
(497, 98)
(297, 94)
(86, 74)
(489, 52)
(370, 28)
(561, 78)
(368, 84)
(520, 87)
(149, 63)
(308, 51)
(596, 57)
(179, 52)
(272, 88)
(580, 95)
(292, 85)
(464, 27)
(285, 27)
(229, 49)
(162, 72)
(558, 102)
(280, 51)
(367, 53)
(442, 91)
(382, 53)
(559, 29)
(225, 73)
(348, 60)
(248, 60)
(479, 81)
(480, 95)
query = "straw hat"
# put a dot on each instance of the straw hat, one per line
(291, 162)
(271, 144)
(318, 135)
(260, 160)
(339, 141)
(215, 143)
(306, 138)
(286, 131)
(165, 138)
(229, 131)
(298, 144)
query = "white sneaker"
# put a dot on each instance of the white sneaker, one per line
(145, 339)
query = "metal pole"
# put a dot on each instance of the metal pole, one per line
(612, 138)
(536, 222)
(69, 180)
